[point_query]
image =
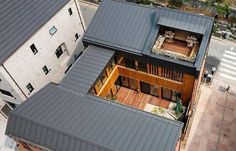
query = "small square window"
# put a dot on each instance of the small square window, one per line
(53, 30)
(59, 52)
(77, 36)
(30, 87)
(45, 70)
(33, 48)
(70, 11)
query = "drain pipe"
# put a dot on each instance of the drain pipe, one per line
(79, 13)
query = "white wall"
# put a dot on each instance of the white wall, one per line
(25, 67)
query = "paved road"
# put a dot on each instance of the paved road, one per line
(222, 54)
(88, 11)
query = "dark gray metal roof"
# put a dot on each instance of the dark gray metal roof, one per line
(179, 21)
(61, 120)
(133, 28)
(20, 19)
(87, 69)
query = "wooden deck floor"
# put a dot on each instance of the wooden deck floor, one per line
(177, 47)
(138, 100)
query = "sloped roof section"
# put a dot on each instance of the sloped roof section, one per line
(121, 25)
(20, 19)
(181, 23)
(61, 120)
(133, 28)
(87, 69)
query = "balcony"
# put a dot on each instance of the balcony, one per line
(177, 44)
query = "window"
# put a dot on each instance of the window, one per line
(53, 30)
(99, 84)
(45, 70)
(142, 66)
(175, 95)
(70, 11)
(30, 87)
(59, 52)
(130, 63)
(104, 77)
(166, 93)
(76, 36)
(6, 93)
(33, 48)
(154, 89)
(145, 87)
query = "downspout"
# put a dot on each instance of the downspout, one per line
(14, 81)
(80, 17)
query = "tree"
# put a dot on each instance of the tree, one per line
(223, 10)
(176, 3)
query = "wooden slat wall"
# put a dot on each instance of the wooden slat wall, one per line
(109, 82)
(184, 87)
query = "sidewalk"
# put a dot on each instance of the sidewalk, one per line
(6, 143)
(214, 124)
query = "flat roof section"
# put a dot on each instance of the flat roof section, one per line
(87, 69)
(59, 119)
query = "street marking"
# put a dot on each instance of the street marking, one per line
(227, 71)
(228, 66)
(227, 76)
(228, 61)
(230, 52)
(231, 57)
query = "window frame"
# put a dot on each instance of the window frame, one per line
(58, 55)
(70, 11)
(30, 87)
(33, 49)
(45, 70)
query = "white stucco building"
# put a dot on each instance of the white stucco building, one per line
(38, 38)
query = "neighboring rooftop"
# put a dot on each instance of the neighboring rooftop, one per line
(134, 28)
(20, 19)
(87, 69)
(59, 119)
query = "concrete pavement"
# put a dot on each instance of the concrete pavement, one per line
(88, 11)
(214, 123)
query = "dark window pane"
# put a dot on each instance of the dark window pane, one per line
(130, 63)
(154, 90)
(125, 81)
(99, 84)
(142, 66)
(30, 87)
(93, 91)
(70, 11)
(33, 48)
(59, 52)
(166, 93)
(45, 70)
(6, 92)
(133, 84)
(77, 36)
(175, 95)
(104, 77)
(145, 87)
